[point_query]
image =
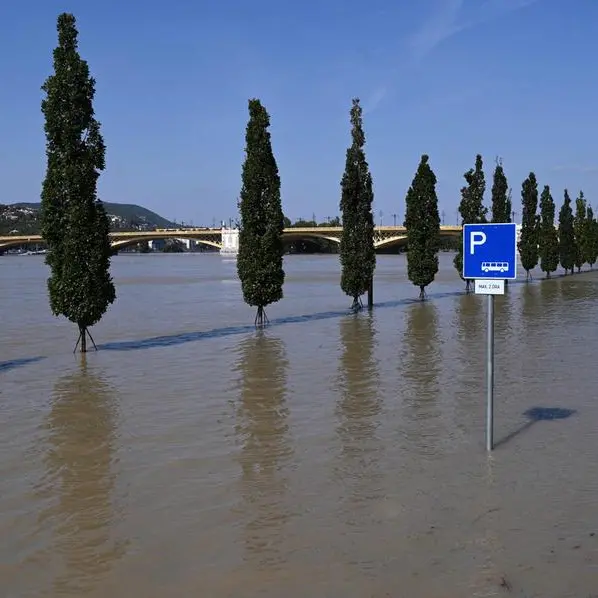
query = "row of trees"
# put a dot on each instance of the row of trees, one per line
(260, 258)
(572, 244)
(75, 225)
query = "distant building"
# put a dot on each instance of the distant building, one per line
(230, 241)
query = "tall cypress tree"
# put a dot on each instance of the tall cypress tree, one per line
(422, 222)
(501, 197)
(567, 246)
(471, 208)
(357, 255)
(528, 243)
(579, 226)
(591, 237)
(548, 239)
(501, 200)
(73, 220)
(260, 256)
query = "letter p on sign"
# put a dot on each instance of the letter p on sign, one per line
(476, 238)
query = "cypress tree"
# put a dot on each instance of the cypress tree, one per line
(548, 239)
(567, 247)
(422, 222)
(471, 208)
(528, 243)
(260, 256)
(357, 255)
(501, 198)
(591, 234)
(73, 220)
(579, 226)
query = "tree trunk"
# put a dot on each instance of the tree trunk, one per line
(83, 338)
(422, 293)
(371, 294)
(468, 286)
(261, 319)
(356, 305)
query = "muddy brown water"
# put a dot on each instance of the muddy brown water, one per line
(329, 456)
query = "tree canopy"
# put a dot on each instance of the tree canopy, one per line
(501, 197)
(260, 256)
(471, 207)
(357, 254)
(567, 245)
(422, 221)
(73, 220)
(528, 243)
(548, 239)
(579, 227)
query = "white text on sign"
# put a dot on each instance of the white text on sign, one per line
(490, 287)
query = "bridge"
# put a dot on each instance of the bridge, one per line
(224, 238)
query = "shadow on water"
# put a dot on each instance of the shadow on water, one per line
(358, 412)
(81, 428)
(190, 337)
(6, 366)
(263, 431)
(535, 415)
(421, 365)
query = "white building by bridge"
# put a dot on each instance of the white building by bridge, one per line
(230, 241)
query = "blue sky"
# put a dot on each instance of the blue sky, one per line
(451, 78)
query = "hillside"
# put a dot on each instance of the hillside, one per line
(24, 218)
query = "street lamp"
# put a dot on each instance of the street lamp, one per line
(394, 219)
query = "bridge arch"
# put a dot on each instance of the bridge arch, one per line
(398, 241)
(294, 237)
(161, 236)
(19, 242)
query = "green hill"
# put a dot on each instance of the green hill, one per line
(23, 217)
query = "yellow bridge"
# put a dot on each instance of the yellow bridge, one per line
(384, 236)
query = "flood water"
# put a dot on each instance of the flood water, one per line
(331, 455)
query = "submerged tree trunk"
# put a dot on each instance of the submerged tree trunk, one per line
(261, 319)
(371, 294)
(82, 340)
(547, 274)
(357, 305)
(467, 285)
(422, 292)
(528, 276)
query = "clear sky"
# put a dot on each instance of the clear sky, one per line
(451, 78)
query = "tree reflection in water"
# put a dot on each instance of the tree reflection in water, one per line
(81, 429)
(263, 430)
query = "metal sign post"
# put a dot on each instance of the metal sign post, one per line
(490, 376)
(490, 258)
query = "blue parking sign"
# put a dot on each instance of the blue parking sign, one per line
(490, 251)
